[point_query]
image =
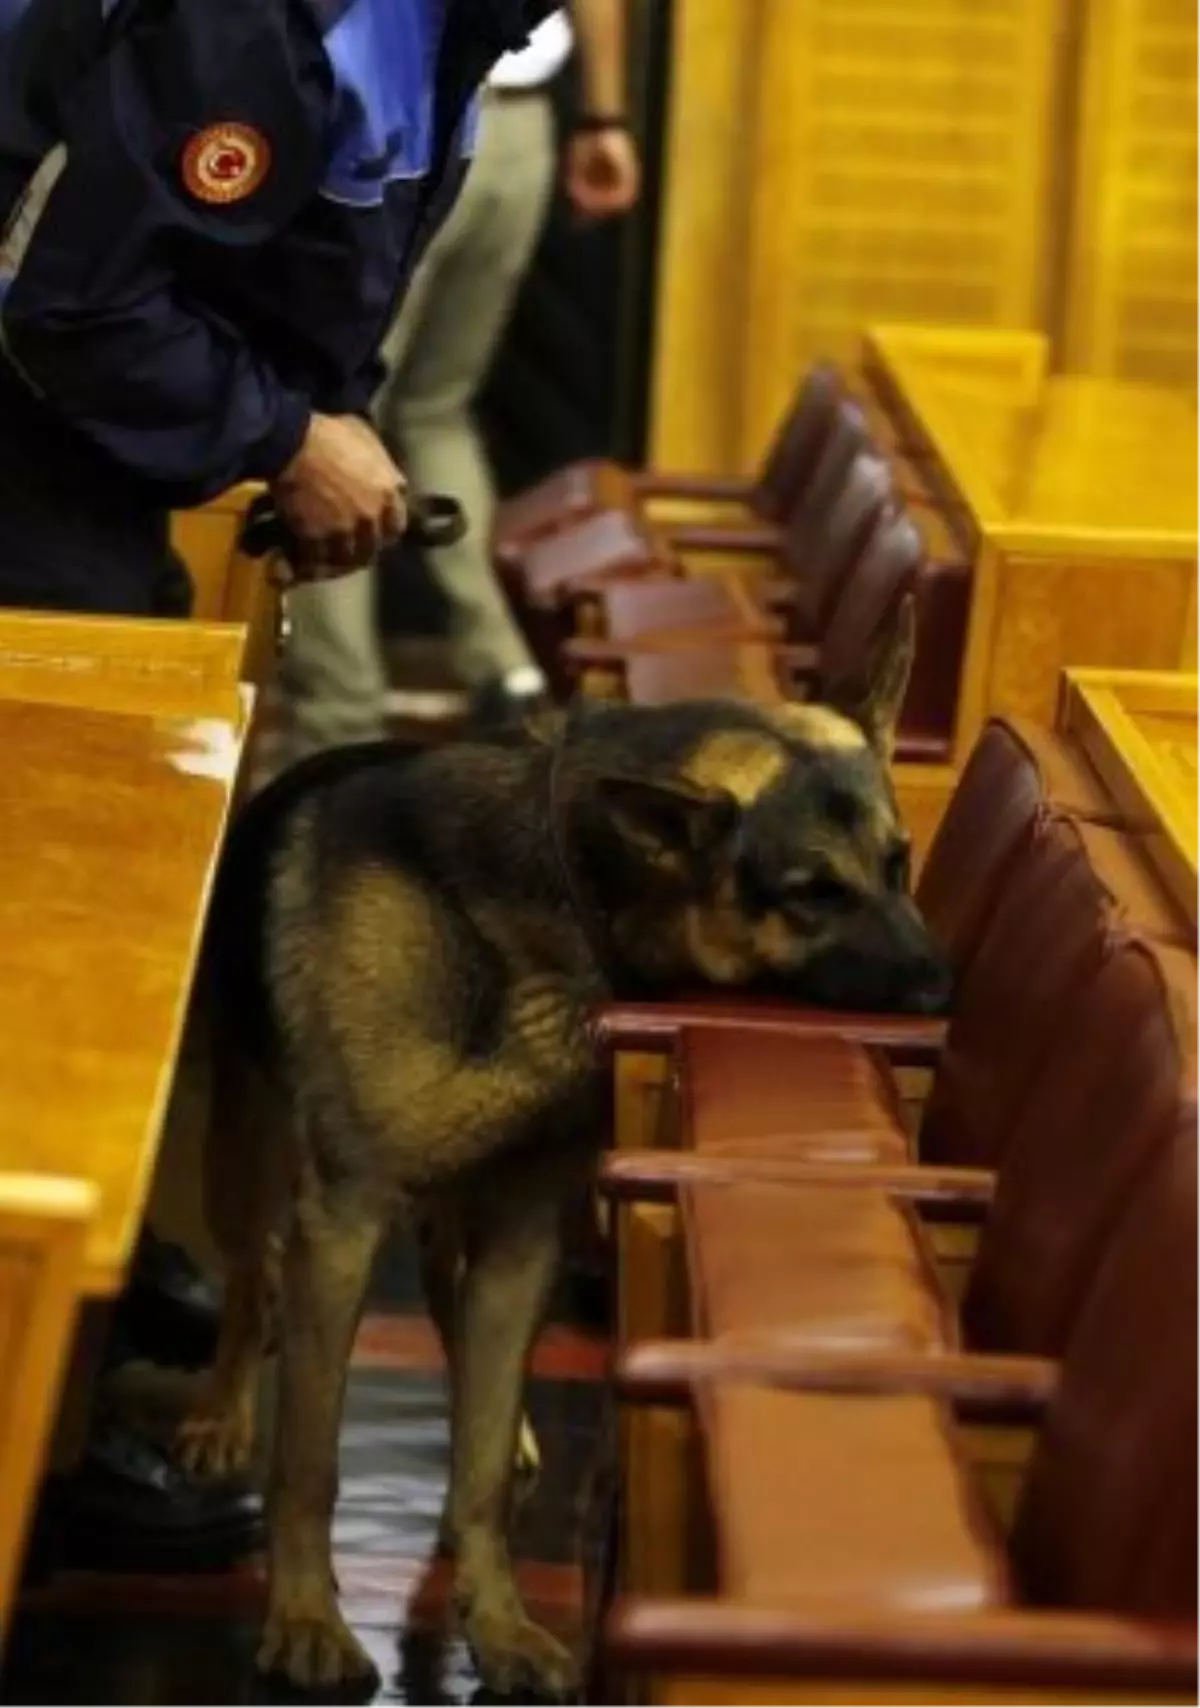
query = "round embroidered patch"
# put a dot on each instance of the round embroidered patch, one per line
(226, 163)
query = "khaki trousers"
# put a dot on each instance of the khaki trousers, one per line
(437, 353)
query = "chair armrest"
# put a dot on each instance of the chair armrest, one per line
(801, 661)
(656, 1176)
(762, 541)
(712, 488)
(776, 592)
(993, 1387)
(655, 1028)
(586, 651)
(1008, 1648)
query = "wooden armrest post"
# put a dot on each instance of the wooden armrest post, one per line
(656, 1176)
(987, 1387)
(653, 1028)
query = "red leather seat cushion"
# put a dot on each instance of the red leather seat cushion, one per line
(607, 544)
(643, 609)
(561, 499)
(766, 1093)
(655, 678)
(843, 1505)
(837, 1267)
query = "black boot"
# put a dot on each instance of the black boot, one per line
(169, 1311)
(129, 1508)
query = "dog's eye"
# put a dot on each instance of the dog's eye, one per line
(821, 892)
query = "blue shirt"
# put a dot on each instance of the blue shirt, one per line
(208, 211)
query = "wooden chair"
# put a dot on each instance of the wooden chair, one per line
(1095, 1595)
(582, 489)
(44, 1223)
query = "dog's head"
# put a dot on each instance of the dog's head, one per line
(761, 848)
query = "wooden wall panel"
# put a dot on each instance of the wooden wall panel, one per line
(837, 162)
(1130, 303)
(900, 177)
(700, 336)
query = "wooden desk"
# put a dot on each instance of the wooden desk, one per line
(1139, 730)
(122, 745)
(1074, 499)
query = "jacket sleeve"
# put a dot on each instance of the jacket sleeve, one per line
(195, 139)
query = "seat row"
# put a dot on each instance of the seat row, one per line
(781, 594)
(908, 1308)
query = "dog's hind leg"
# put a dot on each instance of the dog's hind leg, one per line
(244, 1191)
(335, 1233)
(515, 1245)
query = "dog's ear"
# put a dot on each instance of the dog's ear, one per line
(877, 711)
(667, 819)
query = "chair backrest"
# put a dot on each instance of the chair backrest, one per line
(1013, 770)
(1107, 1518)
(868, 597)
(1043, 939)
(818, 566)
(43, 1226)
(813, 501)
(1120, 1079)
(795, 451)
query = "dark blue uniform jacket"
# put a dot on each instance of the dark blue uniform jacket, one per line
(208, 209)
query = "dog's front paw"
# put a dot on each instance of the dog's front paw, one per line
(311, 1645)
(515, 1657)
(215, 1444)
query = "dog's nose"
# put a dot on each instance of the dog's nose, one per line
(932, 991)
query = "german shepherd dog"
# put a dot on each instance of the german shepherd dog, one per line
(406, 949)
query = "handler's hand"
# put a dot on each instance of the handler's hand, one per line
(342, 496)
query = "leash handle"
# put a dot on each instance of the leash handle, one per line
(434, 520)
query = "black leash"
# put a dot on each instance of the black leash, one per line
(433, 520)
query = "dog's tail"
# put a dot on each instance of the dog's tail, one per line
(234, 959)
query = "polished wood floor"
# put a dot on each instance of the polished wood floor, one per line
(91, 1639)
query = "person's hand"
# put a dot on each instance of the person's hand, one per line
(603, 173)
(341, 496)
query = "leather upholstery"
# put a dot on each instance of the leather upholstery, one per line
(693, 608)
(1014, 768)
(578, 492)
(766, 1092)
(1108, 1514)
(1120, 1081)
(888, 568)
(1041, 944)
(606, 545)
(655, 678)
(1123, 869)
(567, 496)
(837, 1504)
(796, 448)
(821, 544)
(822, 1266)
